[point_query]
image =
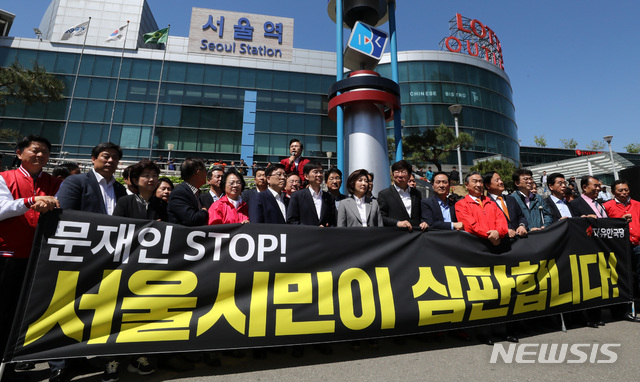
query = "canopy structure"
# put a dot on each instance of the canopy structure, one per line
(596, 164)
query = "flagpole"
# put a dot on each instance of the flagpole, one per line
(115, 97)
(155, 114)
(73, 91)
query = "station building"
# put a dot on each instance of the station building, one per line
(218, 103)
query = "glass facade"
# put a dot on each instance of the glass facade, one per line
(200, 108)
(428, 88)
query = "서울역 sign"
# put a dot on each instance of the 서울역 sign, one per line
(237, 34)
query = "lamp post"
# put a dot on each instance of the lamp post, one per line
(455, 110)
(608, 139)
(170, 146)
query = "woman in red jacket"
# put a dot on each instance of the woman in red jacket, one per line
(230, 208)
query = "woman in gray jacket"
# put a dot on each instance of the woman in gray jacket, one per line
(359, 210)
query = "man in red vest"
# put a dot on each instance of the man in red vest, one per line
(25, 193)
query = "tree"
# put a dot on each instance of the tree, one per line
(633, 148)
(540, 141)
(29, 85)
(434, 145)
(503, 167)
(595, 145)
(569, 143)
(9, 135)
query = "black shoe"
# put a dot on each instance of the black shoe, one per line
(297, 351)
(59, 375)
(600, 323)
(486, 340)
(513, 339)
(631, 317)
(21, 366)
(592, 325)
(325, 349)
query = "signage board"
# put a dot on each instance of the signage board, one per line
(239, 34)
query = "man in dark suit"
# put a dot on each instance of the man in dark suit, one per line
(438, 210)
(516, 220)
(214, 176)
(400, 204)
(586, 204)
(270, 206)
(557, 203)
(184, 207)
(311, 205)
(261, 185)
(96, 191)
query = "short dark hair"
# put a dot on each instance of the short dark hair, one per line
(289, 175)
(487, 176)
(551, 179)
(190, 166)
(617, 182)
(353, 178)
(332, 170)
(584, 181)
(297, 140)
(273, 167)
(519, 172)
(63, 170)
(95, 152)
(232, 171)
(126, 173)
(26, 142)
(260, 169)
(402, 165)
(212, 169)
(466, 178)
(138, 168)
(312, 166)
(442, 173)
(166, 180)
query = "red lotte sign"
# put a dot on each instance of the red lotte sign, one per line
(474, 38)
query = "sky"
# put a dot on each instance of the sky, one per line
(573, 66)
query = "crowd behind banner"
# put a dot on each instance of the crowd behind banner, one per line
(298, 192)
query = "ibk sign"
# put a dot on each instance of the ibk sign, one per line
(474, 38)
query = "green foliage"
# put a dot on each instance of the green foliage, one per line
(569, 143)
(540, 141)
(595, 145)
(503, 167)
(633, 148)
(29, 85)
(9, 135)
(433, 145)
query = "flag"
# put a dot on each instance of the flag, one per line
(117, 34)
(157, 37)
(78, 30)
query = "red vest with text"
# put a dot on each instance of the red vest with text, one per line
(16, 233)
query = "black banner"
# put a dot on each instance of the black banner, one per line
(102, 285)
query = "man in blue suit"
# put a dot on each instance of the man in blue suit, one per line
(311, 205)
(96, 191)
(270, 205)
(438, 211)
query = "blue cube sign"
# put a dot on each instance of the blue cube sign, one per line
(368, 40)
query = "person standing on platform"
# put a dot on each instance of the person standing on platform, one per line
(295, 163)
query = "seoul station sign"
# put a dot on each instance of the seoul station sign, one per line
(234, 34)
(474, 38)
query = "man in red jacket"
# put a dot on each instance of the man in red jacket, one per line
(295, 163)
(24, 194)
(480, 214)
(622, 206)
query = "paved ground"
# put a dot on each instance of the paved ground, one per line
(446, 359)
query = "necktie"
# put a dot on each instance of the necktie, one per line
(480, 201)
(504, 207)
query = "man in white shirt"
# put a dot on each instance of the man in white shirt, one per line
(270, 205)
(311, 205)
(558, 205)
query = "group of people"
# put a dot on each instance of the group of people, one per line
(288, 192)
